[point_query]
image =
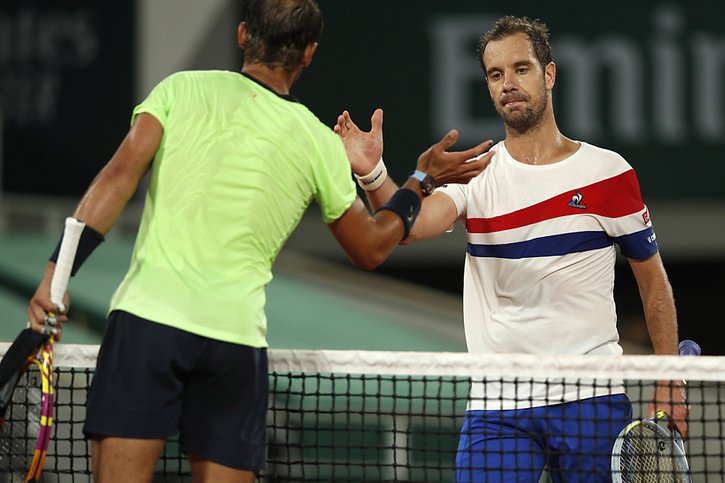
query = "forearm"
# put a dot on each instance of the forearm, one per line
(658, 303)
(377, 198)
(368, 240)
(387, 229)
(106, 198)
(661, 317)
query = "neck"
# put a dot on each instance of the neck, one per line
(544, 144)
(278, 79)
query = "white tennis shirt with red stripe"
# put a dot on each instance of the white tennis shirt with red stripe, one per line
(539, 271)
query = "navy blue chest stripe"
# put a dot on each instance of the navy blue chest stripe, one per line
(637, 245)
(546, 246)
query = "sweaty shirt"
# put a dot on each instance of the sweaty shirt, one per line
(237, 167)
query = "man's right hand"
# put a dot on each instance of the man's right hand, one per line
(364, 149)
(457, 166)
(40, 307)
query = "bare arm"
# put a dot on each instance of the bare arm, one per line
(110, 191)
(106, 198)
(658, 303)
(438, 212)
(367, 239)
(659, 309)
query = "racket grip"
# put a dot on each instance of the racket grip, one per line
(689, 348)
(64, 264)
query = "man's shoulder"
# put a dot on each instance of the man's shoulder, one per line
(187, 75)
(604, 156)
(313, 124)
(210, 73)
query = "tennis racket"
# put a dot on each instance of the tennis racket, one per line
(647, 452)
(26, 381)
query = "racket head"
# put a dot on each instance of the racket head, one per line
(23, 349)
(645, 452)
(25, 433)
(26, 409)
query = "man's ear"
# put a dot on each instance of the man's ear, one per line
(309, 53)
(550, 75)
(242, 35)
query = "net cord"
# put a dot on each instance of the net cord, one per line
(459, 364)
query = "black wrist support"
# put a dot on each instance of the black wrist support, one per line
(89, 241)
(406, 204)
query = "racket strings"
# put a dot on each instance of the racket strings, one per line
(650, 457)
(21, 428)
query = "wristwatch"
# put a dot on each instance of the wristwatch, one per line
(427, 182)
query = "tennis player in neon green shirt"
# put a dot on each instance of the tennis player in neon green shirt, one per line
(234, 161)
(227, 189)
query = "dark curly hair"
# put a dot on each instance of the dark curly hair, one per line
(535, 30)
(278, 31)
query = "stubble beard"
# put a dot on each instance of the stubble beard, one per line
(526, 120)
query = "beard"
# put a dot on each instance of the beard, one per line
(524, 118)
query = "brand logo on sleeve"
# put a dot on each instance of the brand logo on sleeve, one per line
(645, 216)
(576, 201)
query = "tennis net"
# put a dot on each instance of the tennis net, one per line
(397, 416)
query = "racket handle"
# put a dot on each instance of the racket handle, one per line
(689, 348)
(64, 264)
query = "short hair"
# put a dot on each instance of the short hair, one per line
(535, 30)
(278, 31)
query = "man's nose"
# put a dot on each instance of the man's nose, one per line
(509, 82)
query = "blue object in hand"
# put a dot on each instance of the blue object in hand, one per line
(689, 348)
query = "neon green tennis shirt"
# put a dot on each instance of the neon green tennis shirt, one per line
(237, 167)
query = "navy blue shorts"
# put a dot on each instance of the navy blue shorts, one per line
(574, 439)
(154, 381)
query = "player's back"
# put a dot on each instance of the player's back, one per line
(237, 167)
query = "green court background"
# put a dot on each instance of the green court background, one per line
(307, 307)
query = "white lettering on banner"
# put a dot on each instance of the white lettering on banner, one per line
(709, 56)
(646, 90)
(30, 98)
(455, 68)
(35, 47)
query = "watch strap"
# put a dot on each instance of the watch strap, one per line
(427, 182)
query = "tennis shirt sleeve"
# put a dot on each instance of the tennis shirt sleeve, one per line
(159, 101)
(632, 230)
(457, 193)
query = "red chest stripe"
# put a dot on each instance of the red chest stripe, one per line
(612, 198)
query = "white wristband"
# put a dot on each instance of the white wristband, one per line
(375, 178)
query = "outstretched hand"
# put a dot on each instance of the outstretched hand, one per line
(456, 166)
(364, 149)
